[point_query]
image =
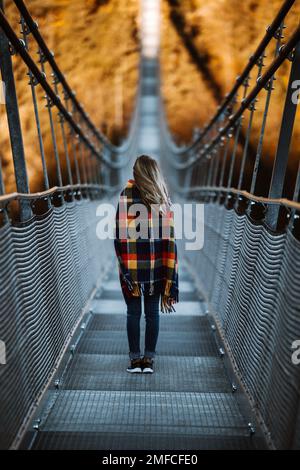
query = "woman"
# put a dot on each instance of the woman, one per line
(147, 255)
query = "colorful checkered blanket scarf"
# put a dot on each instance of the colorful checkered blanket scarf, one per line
(146, 249)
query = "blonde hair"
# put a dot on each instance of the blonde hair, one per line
(150, 182)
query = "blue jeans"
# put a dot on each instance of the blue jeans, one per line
(134, 311)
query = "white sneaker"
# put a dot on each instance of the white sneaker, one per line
(147, 365)
(135, 366)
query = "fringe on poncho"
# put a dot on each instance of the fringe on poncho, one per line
(148, 262)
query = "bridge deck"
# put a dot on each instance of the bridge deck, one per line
(186, 404)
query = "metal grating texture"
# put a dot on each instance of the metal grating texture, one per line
(133, 441)
(48, 268)
(176, 413)
(172, 374)
(253, 281)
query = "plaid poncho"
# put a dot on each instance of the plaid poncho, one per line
(146, 249)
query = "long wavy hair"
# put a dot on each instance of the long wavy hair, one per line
(151, 183)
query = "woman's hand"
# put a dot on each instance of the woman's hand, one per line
(167, 304)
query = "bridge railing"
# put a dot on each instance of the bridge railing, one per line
(86, 162)
(249, 266)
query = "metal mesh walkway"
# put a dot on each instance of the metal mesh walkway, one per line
(186, 404)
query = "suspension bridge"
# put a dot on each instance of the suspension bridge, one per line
(224, 377)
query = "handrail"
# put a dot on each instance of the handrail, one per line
(252, 197)
(6, 198)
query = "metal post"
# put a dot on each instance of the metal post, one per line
(269, 87)
(296, 197)
(286, 131)
(14, 123)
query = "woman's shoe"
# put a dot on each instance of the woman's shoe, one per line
(148, 365)
(135, 366)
